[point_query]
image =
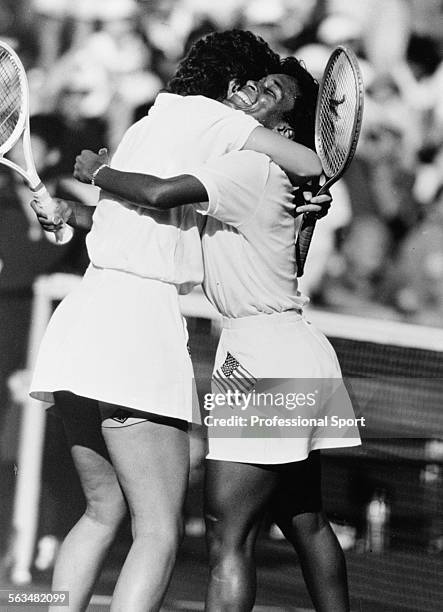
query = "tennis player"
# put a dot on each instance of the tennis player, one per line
(114, 357)
(250, 276)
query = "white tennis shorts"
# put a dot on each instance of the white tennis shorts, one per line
(280, 351)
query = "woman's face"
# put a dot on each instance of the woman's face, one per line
(267, 100)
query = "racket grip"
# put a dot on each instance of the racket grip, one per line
(65, 233)
(303, 241)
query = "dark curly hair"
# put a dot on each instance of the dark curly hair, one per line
(213, 61)
(302, 117)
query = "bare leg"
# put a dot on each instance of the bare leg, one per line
(322, 560)
(82, 553)
(236, 495)
(152, 463)
(297, 510)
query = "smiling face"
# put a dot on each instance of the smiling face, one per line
(266, 100)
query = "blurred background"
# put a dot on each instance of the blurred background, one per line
(374, 272)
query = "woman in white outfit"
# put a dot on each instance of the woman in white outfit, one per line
(114, 358)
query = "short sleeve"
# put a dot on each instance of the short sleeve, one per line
(228, 129)
(235, 127)
(235, 184)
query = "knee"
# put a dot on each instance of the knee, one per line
(214, 537)
(220, 533)
(225, 543)
(167, 534)
(108, 512)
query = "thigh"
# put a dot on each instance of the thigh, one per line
(298, 491)
(152, 463)
(82, 425)
(113, 416)
(236, 496)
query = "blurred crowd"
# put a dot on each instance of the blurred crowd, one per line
(95, 67)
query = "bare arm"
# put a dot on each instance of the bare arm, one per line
(150, 191)
(153, 192)
(142, 189)
(300, 163)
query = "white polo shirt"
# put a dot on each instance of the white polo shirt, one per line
(179, 132)
(249, 237)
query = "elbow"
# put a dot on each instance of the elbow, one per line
(315, 167)
(311, 171)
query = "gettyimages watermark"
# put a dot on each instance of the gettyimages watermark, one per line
(280, 408)
(378, 407)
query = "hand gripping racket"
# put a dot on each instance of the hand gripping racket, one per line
(14, 123)
(338, 118)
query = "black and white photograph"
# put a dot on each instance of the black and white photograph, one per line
(221, 306)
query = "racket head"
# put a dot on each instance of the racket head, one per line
(339, 113)
(14, 98)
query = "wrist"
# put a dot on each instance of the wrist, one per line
(96, 172)
(63, 210)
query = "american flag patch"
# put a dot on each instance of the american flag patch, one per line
(232, 376)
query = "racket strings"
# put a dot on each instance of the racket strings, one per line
(336, 117)
(10, 95)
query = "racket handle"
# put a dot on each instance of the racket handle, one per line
(65, 233)
(306, 230)
(303, 241)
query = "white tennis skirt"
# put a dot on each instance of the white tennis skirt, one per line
(121, 339)
(285, 357)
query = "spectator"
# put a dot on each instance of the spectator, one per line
(300, 26)
(418, 273)
(81, 96)
(122, 51)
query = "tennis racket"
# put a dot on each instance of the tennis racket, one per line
(338, 118)
(14, 124)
